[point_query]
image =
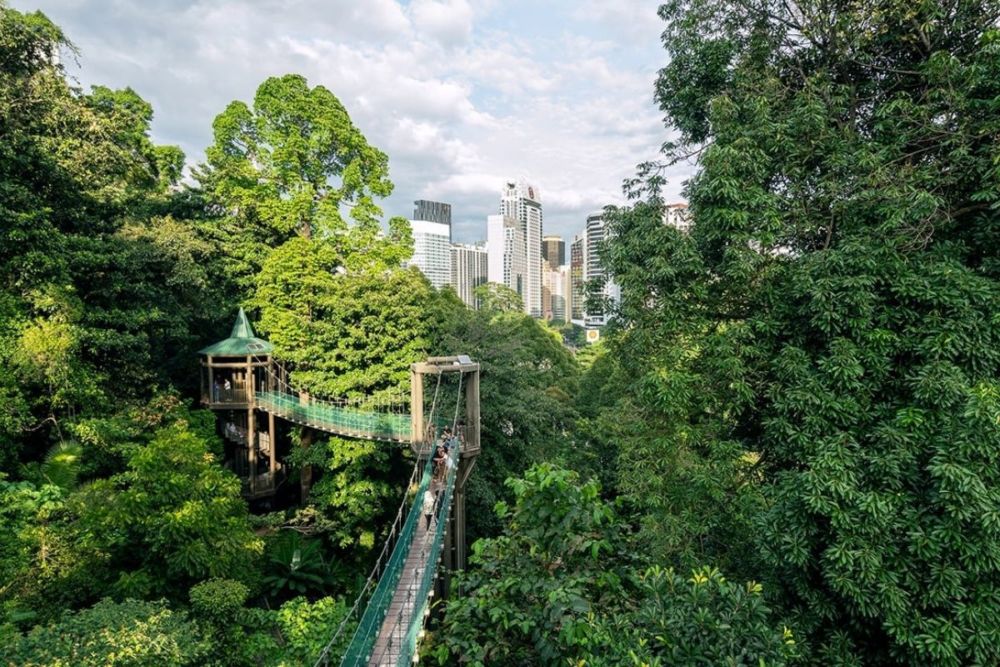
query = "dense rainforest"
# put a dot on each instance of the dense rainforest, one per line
(784, 451)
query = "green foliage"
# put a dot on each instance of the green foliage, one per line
(306, 627)
(277, 161)
(218, 601)
(526, 379)
(236, 635)
(60, 467)
(120, 634)
(529, 591)
(24, 508)
(497, 298)
(98, 302)
(285, 166)
(174, 516)
(559, 586)
(354, 491)
(296, 566)
(826, 335)
(703, 620)
(347, 333)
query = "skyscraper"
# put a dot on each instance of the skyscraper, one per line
(469, 270)
(523, 203)
(506, 256)
(433, 211)
(554, 251)
(595, 234)
(432, 251)
(577, 275)
(555, 291)
(567, 290)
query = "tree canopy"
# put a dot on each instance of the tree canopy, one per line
(831, 317)
(783, 451)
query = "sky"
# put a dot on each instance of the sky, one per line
(461, 94)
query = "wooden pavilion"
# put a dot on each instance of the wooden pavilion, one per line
(230, 371)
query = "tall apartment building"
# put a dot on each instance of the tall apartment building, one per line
(433, 211)
(577, 275)
(553, 252)
(523, 203)
(432, 251)
(567, 290)
(594, 234)
(469, 270)
(506, 254)
(557, 289)
(677, 215)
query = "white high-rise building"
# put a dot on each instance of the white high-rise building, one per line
(594, 234)
(523, 203)
(677, 215)
(566, 276)
(432, 251)
(558, 301)
(469, 270)
(506, 256)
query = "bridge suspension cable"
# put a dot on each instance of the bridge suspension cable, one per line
(400, 631)
(383, 417)
(388, 548)
(394, 601)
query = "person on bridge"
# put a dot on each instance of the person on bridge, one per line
(428, 507)
(439, 460)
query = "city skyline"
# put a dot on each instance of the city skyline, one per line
(435, 84)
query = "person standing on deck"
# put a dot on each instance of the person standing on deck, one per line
(428, 507)
(439, 460)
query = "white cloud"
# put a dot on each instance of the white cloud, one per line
(448, 21)
(462, 94)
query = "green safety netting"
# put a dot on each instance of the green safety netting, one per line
(344, 420)
(359, 651)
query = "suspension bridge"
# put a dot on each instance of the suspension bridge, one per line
(243, 382)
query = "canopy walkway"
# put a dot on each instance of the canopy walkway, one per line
(240, 379)
(385, 417)
(365, 420)
(395, 601)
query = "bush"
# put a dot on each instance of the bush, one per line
(112, 634)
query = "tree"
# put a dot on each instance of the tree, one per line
(495, 297)
(87, 308)
(173, 517)
(526, 380)
(559, 586)
(528, 592)
(831, 314)
(286, 165)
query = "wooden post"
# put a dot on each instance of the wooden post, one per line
(449, 558)
(472, 413)
(271, 434)
(211, 382)
(306, 476)
(458, 519)
(416, 410)
(251, 427)
(465, 464)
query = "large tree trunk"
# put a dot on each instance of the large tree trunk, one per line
(306, 476)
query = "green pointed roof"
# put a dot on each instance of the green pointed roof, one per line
(241, 341)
